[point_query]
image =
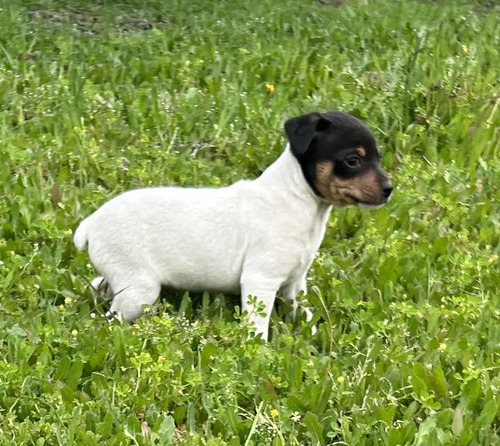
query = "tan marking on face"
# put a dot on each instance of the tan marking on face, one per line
(341, 192)
(361, 151)
(325, 184)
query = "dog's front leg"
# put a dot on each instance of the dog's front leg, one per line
(262, 290)
(291, 291)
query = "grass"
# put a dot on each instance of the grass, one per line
(100, 97)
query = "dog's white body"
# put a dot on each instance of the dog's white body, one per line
(255, 238)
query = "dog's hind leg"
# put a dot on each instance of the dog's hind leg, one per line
(132, 281)
(132, 293)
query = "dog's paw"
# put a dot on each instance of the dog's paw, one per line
(112, 316)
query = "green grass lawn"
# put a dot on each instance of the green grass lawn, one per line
(100, 97)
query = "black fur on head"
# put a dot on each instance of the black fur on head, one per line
(339, 158)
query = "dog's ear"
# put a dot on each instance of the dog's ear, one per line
(300, 131)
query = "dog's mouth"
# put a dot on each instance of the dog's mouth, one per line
(368, 204)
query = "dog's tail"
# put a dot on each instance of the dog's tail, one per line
(81, 237)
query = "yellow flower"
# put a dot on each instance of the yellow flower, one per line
(442, 347)
(74, 332)
(465, 49)
(274, 413)
(68, 300)
(61, 307)
(340, 379)
(270, 88)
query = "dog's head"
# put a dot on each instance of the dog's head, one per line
(339, 158)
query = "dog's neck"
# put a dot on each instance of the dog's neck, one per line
(285, 175)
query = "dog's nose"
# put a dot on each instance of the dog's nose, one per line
(387, 189)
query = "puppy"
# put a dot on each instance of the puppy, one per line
(256, 238)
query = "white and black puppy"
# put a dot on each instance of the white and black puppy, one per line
(255, 238)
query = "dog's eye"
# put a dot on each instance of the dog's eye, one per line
(353, 162)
